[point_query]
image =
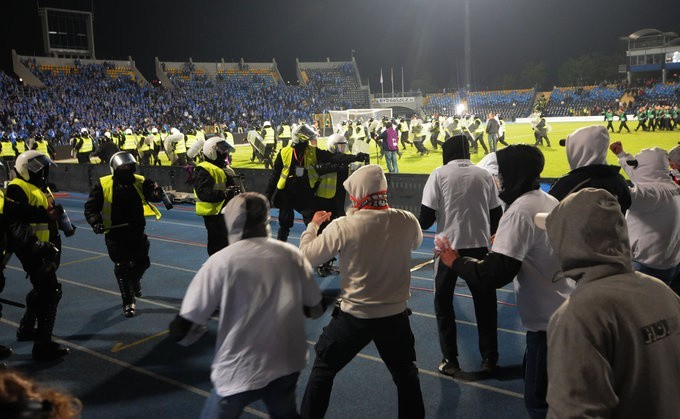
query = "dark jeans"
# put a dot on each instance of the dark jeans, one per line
(343, 338)
(278, 396)
(484, 299)
(536, 374)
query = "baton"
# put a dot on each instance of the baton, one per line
(117, 226)
(421, 265)
(11, 303)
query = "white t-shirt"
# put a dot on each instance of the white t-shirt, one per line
(462, 195)
(540, 286)
(260, 286)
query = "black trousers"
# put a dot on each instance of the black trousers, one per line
(339, 343)
(217, 233)
(484, 299)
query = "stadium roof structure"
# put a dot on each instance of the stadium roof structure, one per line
(643, 33)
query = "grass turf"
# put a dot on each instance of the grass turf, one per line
(556, 163)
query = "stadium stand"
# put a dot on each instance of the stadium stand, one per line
(509, 103)
(335, 83)
(588, 100)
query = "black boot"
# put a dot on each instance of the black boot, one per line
(26, 331)
(126, 293)
(48, 351)
(283, 234)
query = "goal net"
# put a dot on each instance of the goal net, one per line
(363, 115)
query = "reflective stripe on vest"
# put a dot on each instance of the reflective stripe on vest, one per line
(87, 146)
(130, 142)
(36, 198)
(42, 147)
(7, 149)
(107, 187)
(327, 186)
(220, 177)
(269, 135)
(308, 162)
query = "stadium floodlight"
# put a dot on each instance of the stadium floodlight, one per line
(460, 109)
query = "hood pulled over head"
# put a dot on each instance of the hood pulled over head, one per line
(587, 146)
(367, 187)
(519, 171)
(455, 148)
(247, 215)
(587, 230)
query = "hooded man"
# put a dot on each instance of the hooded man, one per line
(295, 182)
(520, 252)
(587, 155)
(654, 215)
(375, 242)
(259, 352)
(463, 199)
(613, 345)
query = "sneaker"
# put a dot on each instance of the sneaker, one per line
(129, 310)
(448, 367)
(48, 351)
(489, 365)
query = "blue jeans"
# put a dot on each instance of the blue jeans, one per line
(493, 139)
(669, 276)
(536, 374)
(391, 160)
(278, 396)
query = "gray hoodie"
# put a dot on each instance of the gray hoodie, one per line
(613, 346)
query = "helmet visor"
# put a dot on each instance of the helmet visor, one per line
(122, 159)
(38, 163)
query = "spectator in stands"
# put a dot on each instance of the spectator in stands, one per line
(587, 155)
(613, 345)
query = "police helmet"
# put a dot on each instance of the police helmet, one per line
(304, 133)
(128, 131)
(337, 143)
(33, 165)
(122, 160)
(215, 148)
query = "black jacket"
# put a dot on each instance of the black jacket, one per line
(594, 176)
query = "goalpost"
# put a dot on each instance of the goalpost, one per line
(338, 117)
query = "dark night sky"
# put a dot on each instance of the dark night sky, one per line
(423, 36)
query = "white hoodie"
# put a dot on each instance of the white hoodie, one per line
(654, 216)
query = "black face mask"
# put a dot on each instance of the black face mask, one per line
(39, 178)
(519, 170)
(125, 177)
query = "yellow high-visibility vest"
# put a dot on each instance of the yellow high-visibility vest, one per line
(36, 198)
(107, 187)
(220, 178)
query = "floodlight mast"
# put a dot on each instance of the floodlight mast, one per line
(468, 59)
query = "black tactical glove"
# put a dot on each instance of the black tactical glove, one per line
(363, 157)
(98, 228)
(231, 192)
(47, 253)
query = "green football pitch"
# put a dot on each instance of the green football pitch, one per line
(520, 133)
(556, 163)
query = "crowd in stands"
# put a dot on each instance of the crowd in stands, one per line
(102, 96)
(509, 103)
